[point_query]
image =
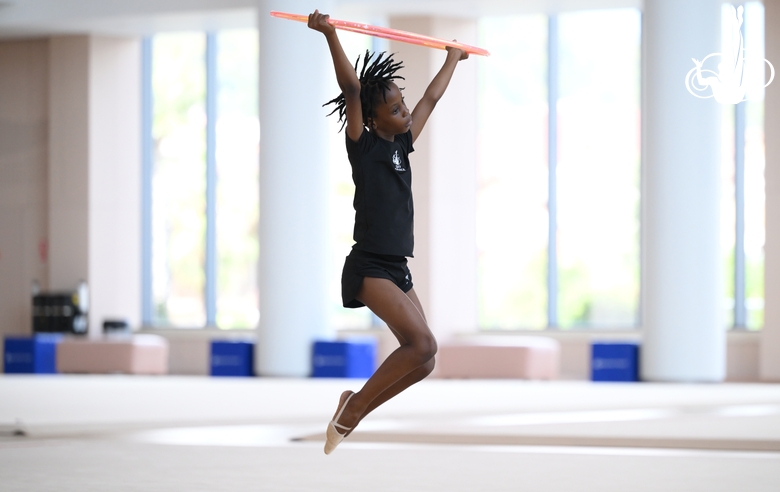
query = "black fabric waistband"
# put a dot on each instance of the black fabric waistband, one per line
(392, 258)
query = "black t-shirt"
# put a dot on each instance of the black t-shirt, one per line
(384, 210)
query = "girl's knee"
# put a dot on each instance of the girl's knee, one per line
(427, 368)
(433, 348)
(426, 349)
(424, 370)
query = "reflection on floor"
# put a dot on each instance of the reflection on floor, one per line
(492, 430)
(178, 433)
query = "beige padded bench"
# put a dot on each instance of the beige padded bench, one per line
(128, 354)
(504, 357)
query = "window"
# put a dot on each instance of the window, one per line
(742, 185)
(201, 193)
(558, 196)
(598, 168)
(512, 214)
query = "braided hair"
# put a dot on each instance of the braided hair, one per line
(375, 78)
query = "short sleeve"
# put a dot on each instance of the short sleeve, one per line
(406, 141)
(362, 146)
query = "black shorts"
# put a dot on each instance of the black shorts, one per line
(360, 264)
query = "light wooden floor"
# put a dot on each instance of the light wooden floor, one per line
(186, 433)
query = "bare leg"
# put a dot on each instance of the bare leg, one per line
(413, 377)
(417, 349)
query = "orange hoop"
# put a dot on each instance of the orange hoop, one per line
(388, 33)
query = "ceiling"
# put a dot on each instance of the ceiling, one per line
(35, 18)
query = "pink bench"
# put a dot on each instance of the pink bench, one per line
(136, 354)
(505, 357)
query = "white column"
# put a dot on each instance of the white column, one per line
(444, 181)
(770, 335)
(114, 180)
(94, 173)
(684, 337)
(295, 67)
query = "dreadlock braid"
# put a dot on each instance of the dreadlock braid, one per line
(375, 78)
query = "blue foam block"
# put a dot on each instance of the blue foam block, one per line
(232, 358)
(31, 355)
(344, 358)
(615, 361)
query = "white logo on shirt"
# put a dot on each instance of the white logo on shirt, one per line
(398, 162)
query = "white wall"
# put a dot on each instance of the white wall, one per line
(115, 179)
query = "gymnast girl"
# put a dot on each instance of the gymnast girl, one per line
(381, 132)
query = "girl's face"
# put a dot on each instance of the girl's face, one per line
(392, 117)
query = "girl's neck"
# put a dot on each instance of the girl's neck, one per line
(390, 137)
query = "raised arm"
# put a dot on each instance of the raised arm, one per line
(345, 74)
(435, 90)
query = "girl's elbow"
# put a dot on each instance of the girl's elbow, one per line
(432, 100)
